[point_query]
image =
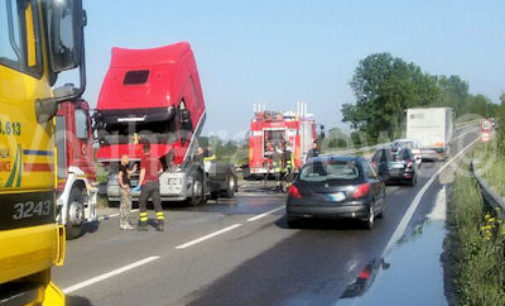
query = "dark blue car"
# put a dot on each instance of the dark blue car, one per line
(337, 187)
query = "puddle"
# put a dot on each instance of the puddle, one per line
(411, 273)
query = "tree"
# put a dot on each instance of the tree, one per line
(500, 117)
(384, 87)
(454, 94)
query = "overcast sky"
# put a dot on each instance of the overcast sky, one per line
(278, 52)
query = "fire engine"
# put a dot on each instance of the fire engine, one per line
(270, 128)
(40, 39)
(77, 193)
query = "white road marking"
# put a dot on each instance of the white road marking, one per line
(110, 274)
(265, 214)
(201, 239)
(400, 230)
(464, 134)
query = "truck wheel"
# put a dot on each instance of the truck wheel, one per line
(75, 214)
(231, 186)
(197, 196)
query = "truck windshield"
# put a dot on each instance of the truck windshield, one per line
(320, 171)
(19, 36)
(123, 133)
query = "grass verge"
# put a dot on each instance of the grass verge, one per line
(475, 247)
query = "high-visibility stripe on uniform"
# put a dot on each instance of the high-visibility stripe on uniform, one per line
(160, 215)
(143, 216)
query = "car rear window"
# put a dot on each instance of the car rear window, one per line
(319, 171)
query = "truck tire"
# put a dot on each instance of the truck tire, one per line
(75, 214)
(231, 186)
(197, 196)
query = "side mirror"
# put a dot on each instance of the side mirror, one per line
(66, 20)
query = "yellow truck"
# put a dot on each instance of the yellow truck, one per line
(38, 40)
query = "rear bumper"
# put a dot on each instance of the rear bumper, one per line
(404, 176)
(357, 209)
(432, 154)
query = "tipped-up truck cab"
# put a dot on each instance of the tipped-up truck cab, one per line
(155, 96)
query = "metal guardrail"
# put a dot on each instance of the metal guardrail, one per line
(488, 194)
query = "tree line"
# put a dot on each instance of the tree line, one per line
(385, 86)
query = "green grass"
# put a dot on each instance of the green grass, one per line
(492, 166)
(476, 250)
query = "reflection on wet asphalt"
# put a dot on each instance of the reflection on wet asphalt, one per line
(414, 273)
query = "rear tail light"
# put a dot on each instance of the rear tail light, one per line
(361, 191)
(294, 193)
(365, 274)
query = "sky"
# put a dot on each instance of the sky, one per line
(279, 52)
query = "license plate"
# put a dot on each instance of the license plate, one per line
(339, 196)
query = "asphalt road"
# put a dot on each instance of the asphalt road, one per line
(240, 251)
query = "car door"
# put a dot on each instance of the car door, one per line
(382, 164)
(376, 185)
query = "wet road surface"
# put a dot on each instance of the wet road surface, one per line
(237, 252)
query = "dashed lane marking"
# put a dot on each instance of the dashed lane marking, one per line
(257, 217)
(110, 274)
(206, 237)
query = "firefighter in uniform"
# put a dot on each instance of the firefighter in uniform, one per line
(287, 166)
(150, 169)
(277, 167)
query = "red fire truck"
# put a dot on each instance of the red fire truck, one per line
(77, 195)
(270, 128)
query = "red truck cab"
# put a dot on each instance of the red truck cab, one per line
(144, 93)
(154, 96)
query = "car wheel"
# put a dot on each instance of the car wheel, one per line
(369, 223)
(413, 181)
(231, 186)
(197, 196)
(383, 210)
(75, 215)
